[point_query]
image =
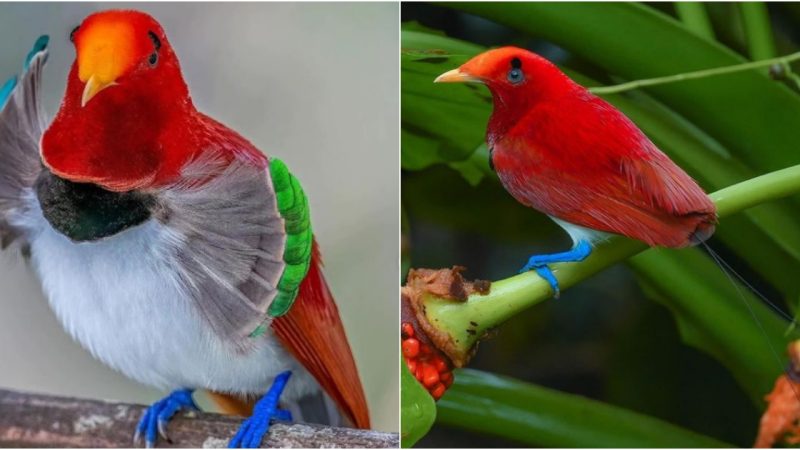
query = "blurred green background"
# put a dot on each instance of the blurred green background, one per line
(314, 84)
(605, 339)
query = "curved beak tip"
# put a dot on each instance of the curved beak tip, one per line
(93, 87)
(456, 76)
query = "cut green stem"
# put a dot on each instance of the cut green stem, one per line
(510, 296)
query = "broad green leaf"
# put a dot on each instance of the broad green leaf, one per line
(537, 416)
(712, 315)
(476, 167)
(758, 30)
(446, 115)
(695, 18)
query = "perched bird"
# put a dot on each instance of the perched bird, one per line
(561, 150)
(166, 243)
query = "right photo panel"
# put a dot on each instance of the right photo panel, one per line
(600, 224)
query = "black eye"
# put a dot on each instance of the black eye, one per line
(72, 34)
(515, 74)
(153, 59)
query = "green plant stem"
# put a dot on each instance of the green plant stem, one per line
(512, 295)
(606, 90)
(758, 30)
(695, 18)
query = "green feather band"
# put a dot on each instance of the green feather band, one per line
(293, 207)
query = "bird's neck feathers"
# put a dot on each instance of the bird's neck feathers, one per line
(543, 85)
(131, 136)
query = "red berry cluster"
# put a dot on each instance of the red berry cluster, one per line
(428, 366)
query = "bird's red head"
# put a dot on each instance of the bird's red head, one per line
(124, 90)
(517, 79)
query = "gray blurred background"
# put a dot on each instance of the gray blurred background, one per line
(314, 84)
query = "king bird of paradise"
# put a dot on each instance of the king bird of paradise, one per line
(167, 244)
(563, 151)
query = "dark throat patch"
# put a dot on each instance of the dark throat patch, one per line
(87, 212)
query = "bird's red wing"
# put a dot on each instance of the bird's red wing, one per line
(602, 172)
(648, 225)
(639, 199)
(313, 333)
(649, 207)
(659, 183)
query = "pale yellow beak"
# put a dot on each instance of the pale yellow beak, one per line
(92, 88)
(456, 76)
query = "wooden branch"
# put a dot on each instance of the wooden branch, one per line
(34, 420)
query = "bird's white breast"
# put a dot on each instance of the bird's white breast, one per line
(578, 233)
(119, 299)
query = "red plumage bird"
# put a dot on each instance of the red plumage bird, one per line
(167, 244)
(565, 152)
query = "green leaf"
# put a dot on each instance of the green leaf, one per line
(476, 167)
(712, 315)
(417, 408)
(758, 30)
(695, 18)
(438, 120)
(538, 416)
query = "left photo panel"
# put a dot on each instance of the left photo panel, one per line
(199, 224)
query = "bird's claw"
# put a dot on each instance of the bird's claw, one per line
(540, 263)
(253, 429)
(155, 418)
(546, 273)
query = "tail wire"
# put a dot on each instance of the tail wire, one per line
(730, 273)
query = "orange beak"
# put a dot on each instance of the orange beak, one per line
(105, 52)
(457, 76)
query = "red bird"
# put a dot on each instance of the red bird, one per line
(561, 150)
(167, 244)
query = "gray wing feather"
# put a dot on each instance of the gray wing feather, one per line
(21, 126)
(228, 239)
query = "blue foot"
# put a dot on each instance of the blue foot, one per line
(539, 263)
(155, 418)
(252, 431)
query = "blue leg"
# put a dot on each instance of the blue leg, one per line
(155, 418)
(539, 263)
(252, 431)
